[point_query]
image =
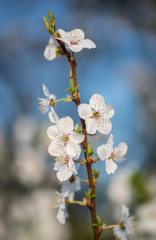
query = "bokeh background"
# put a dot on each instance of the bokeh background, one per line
(122, 68)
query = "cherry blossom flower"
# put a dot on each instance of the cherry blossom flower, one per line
(47, 104)
(65, 167)
(64, 139)
(96, 115)
(126, 226)
(50, 50)
(59, 202)
(75, 40)
(70, 187)
(106, 152)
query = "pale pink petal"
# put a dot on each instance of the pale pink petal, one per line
(121, 149)
(76, 137)
(45, 90)
(90, 126)
(77, 34)
(103, 125)
(107, 111)
(75, 48)
(104, 151)
(97, 102)
(66, 125)
(87, 43)
(110, 166)
(84, 111)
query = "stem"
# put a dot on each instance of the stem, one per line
(76, 202)
(111, 226)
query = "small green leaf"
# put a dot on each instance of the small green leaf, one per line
(93, 196)
(95, 225)
(90, 150)
(84, 150)
(72, 85)
(77, 87)
(51, 17)
(78, 130)
(96, 173)
(69, 90)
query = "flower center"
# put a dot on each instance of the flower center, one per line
(73, 42)
(67, 158)
(65, 138)
(122, 225)
(52, 102)
(96, 114)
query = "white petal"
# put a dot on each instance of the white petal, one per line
(97, 102)
(65, 174)
(50, 52)
(121, 149)
(103, 125)
(77, 34)
(72, 149)
(53, 132)
(77, 151)
(76, 137)
(110, 141)
(56, 149)
(104, 151)
(53, 117)
(61, 216)
(52, 96)
(90, 126)
(64, 35)
(84, 111)
(110, 166)
(87, 43)
(66, 125)
(75, 48)
(125, 213)
(107, 111)
(45, 90)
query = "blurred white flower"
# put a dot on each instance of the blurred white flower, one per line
(65, 167)
(96, 115)
(75, 40)
(59, 202)
(50, 50)
(106, 152)
(126, 226)
(146, 214)
(70, 187)
(47, 104)
(64, 139)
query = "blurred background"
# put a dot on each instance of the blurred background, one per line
(122, 68)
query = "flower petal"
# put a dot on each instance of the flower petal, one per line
(53, 117)
(110, 141)
(45, 90)
(107, 111)
(76, 137)
(121, 149)
(77, 34)
(103, 125)
(97, 102)
(53, 132)
(87, 43)
(50, 52)
(104, 151)
(64, 36)
(73, 150)
(110, 166)
(90, 126)
(75, 48)
(84, 111)
(66, 125)
(61, 216)
(65, 174)
(125, 213)
(56, 149)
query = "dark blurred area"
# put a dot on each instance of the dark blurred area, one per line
(122, 68)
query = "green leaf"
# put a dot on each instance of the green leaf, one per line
(51, 17)
(96, 173)
(95, 225)
(99, 222)
(77, 87)
(72, 85)
(90, 150)
(69, 90)
(84, 150)
(78, 130)
(47, 25)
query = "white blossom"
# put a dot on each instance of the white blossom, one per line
(65, 167)
(59, 202)
(75, 40)
(50, 50)
(96, 115)
(70, 187)
(106, 152)
(126, 226)
(64, 139)
(46, 104)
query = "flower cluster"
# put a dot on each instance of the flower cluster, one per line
(66, 141)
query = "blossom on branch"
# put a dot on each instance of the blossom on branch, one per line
(126, 226)
(47, 104)
(70, 187)
(106, 152)
(59, 202)
(65, 167)
(50, 52)
(75, 40)
(96, 115)
(64, 139)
